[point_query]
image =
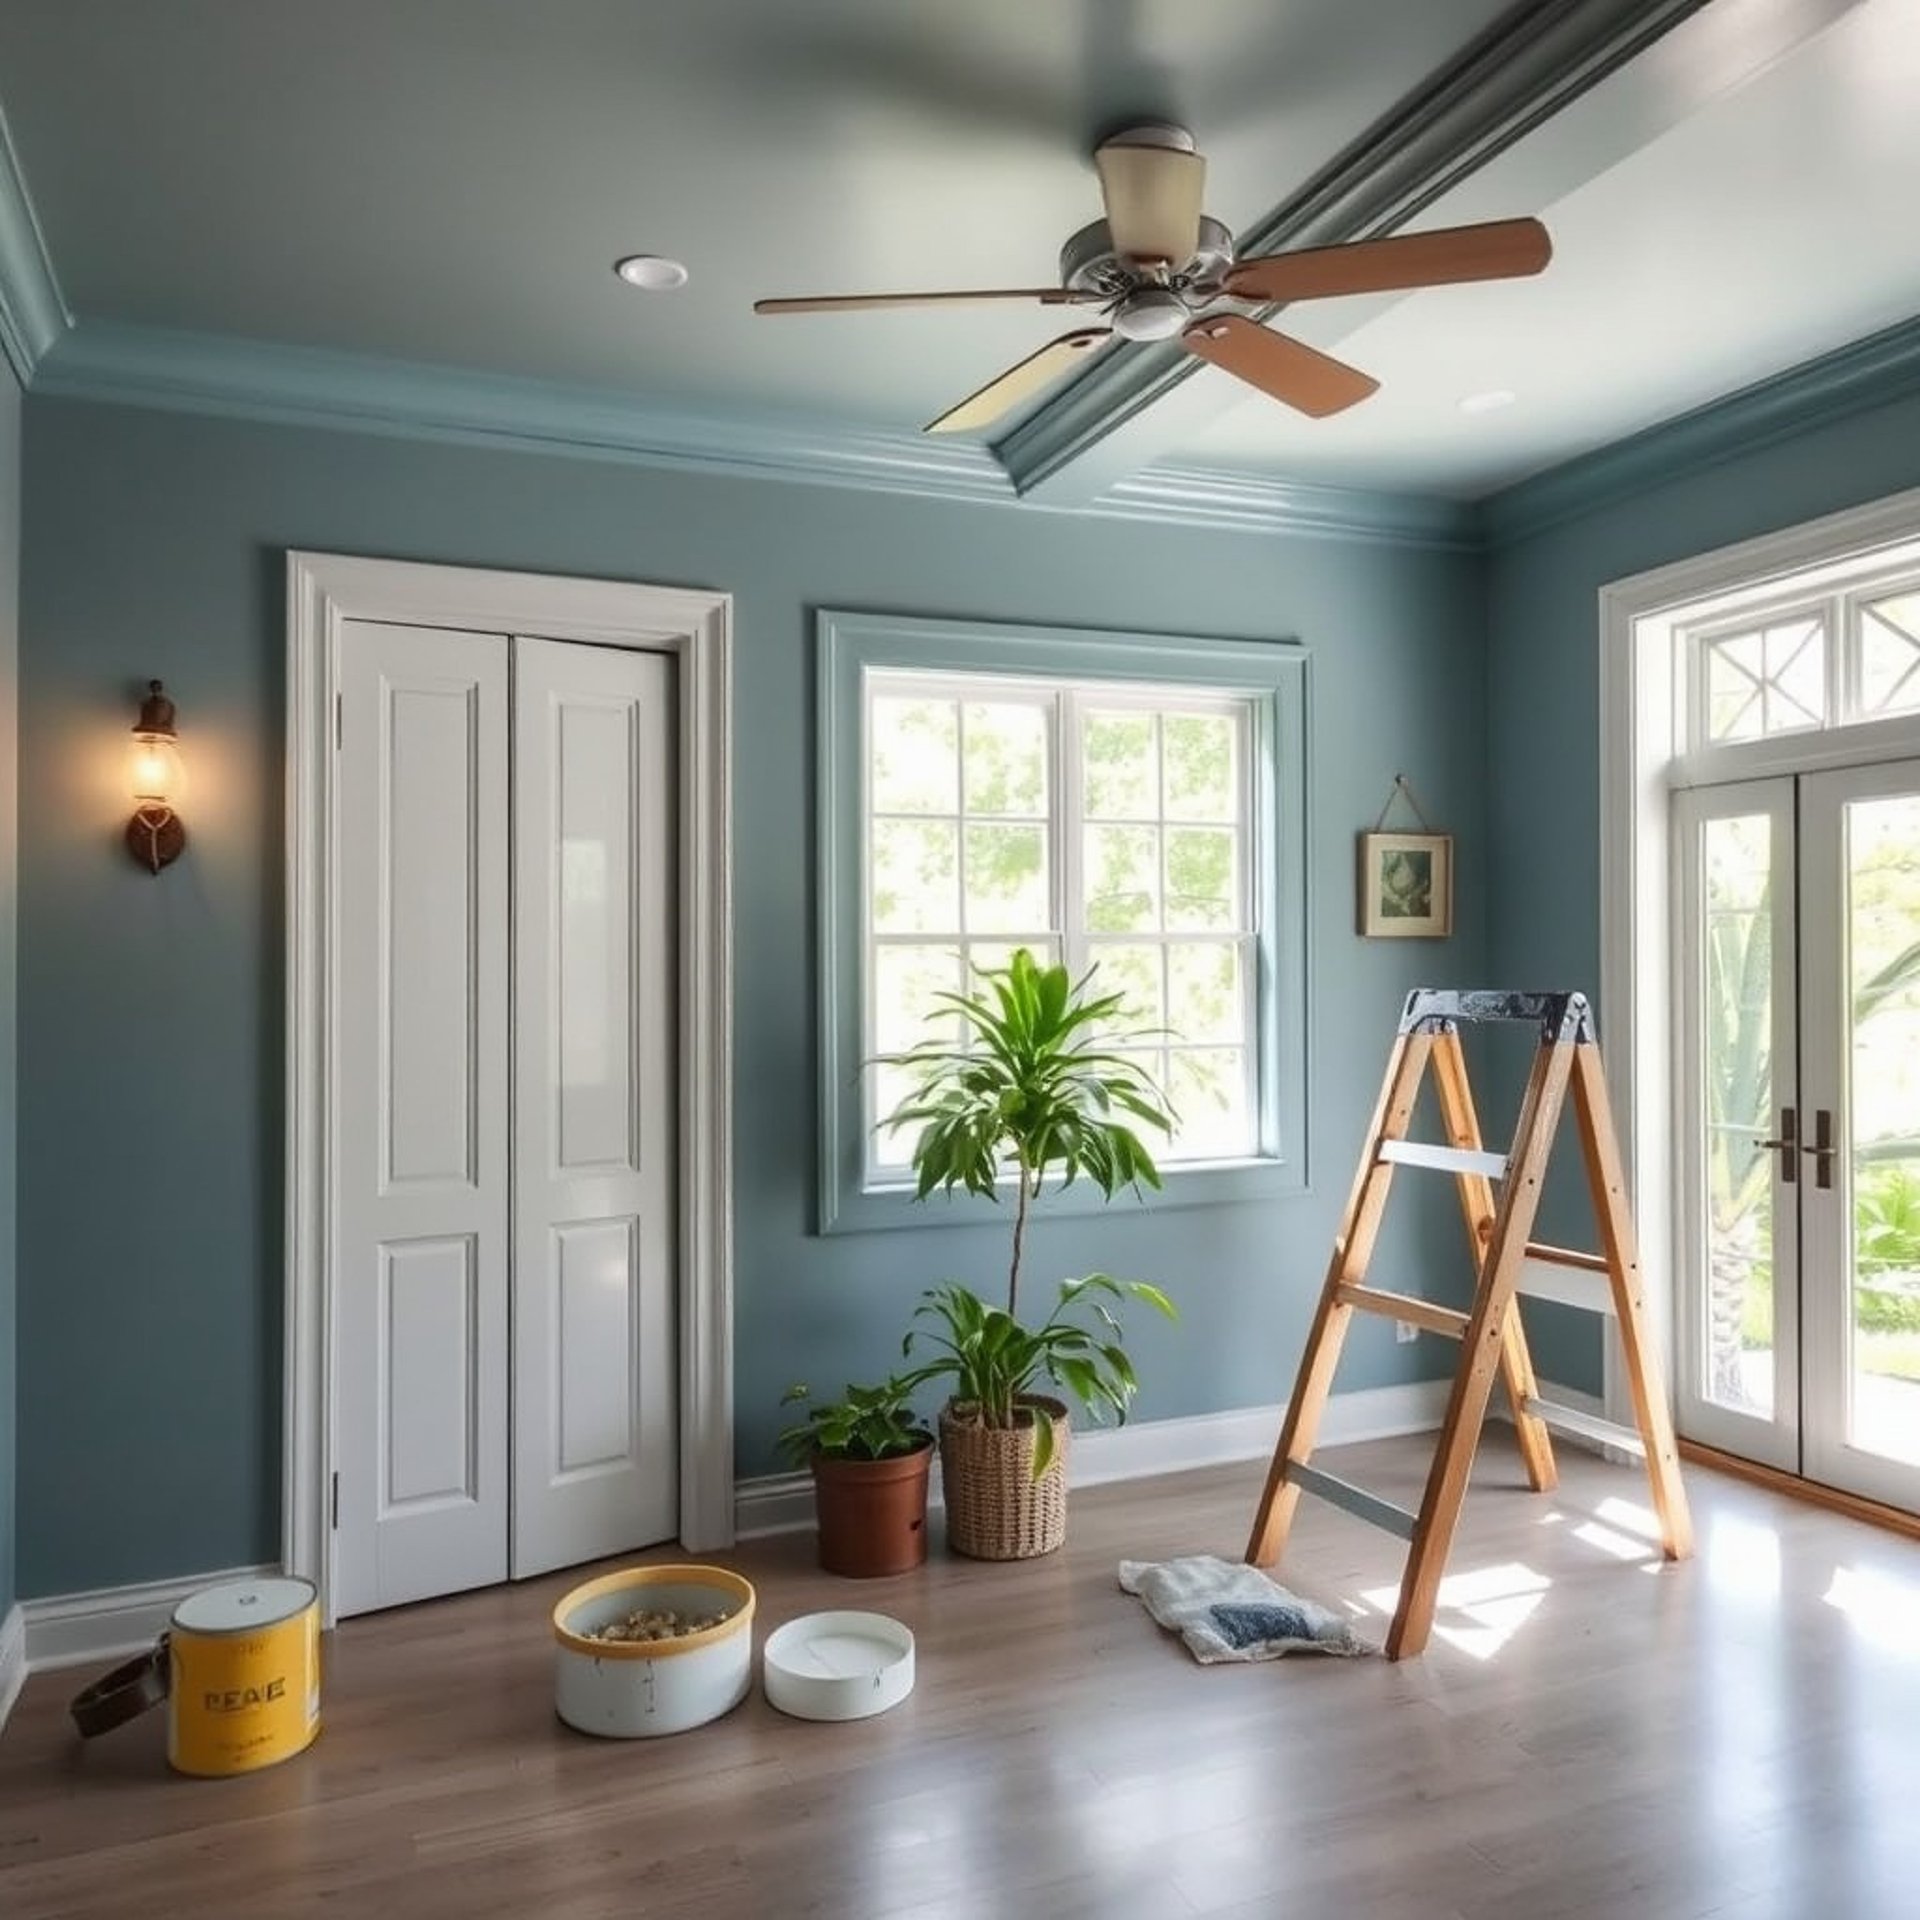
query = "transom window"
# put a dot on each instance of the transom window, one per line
(1844, 659)
(1129, 803)
(1106, 826)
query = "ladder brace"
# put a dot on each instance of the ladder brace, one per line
(1356, 1500)
(1589, 1426)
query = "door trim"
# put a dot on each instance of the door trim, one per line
(695, 627)
(1640, 735)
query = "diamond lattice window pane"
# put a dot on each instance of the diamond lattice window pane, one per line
(1890, 656)
(1770, 680)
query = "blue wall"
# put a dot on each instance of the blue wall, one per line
(9, 922)
(150, 1011)
(1543, 692)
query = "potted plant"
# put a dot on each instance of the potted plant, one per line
(869, 1454)
(1035, 1095)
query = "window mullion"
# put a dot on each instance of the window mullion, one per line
(1068, 830)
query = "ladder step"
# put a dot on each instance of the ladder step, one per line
(1589, 1426)
(1567, 1257)
(1419, 1153)
(1356, 1500)
(1404, 1306)
(1564, 1283)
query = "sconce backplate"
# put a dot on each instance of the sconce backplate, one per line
(156, 837)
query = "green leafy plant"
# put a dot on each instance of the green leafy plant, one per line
(996, 1364)
(1886, 1228)
(1035, 1093)
(865, 1423)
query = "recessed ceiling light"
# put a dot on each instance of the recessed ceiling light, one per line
(1489, 402)
(651, 272)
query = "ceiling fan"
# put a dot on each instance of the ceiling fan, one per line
(1156, 261)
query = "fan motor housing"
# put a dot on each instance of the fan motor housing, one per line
(1089, 264)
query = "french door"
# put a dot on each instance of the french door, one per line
(503, 1234)
(1798, 1018)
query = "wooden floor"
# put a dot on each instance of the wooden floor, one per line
(1590, 1734)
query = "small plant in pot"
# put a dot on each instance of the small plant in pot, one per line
(869, 1454)
(1035, 1095)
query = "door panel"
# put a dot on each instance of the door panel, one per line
(420, 1148)
(1861, 1041)
(429, 1442)
(1737, 1345)
(594, 1359)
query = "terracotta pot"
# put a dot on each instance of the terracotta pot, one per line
(996, 1509)
(872, 1514)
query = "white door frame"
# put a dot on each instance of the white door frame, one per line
(323, 591)
(1642, 714)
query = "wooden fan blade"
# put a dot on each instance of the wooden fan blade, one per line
(1494, 250)
(844, 302)
(1019, 382)
(1297, 375)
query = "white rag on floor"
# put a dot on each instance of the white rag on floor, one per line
(1224, 1610)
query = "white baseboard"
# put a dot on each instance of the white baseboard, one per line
(13, 1658)
(783, 1502)
(71, 1629)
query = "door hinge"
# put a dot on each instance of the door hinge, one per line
(336, 1503)
(339, 719)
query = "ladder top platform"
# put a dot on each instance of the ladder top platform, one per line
(1560, 1016)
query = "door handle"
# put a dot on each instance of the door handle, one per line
(1823, 1148)
(1788, 1145)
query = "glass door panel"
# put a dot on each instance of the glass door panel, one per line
(1738, 1347)
(1861, 1041)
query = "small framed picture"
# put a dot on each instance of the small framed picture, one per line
(1406, 886)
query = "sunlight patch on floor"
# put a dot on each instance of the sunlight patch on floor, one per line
(1880, 1608)
(1491, 1605)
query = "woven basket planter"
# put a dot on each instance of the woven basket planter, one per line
(996, 1509)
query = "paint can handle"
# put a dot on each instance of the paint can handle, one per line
(124, 1694)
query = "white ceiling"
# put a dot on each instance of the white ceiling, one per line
(449, 181)
(1770, 226)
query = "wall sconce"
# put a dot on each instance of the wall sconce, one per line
(155, 836)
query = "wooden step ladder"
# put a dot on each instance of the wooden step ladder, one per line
(1508, 1262)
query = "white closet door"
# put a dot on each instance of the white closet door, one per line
(595, 1421)
(420, 1155)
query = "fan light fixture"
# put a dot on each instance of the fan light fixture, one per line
(651, 272)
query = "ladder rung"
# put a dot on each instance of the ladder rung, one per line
(1356, 1500)
(1589, 1426)
(1419, 1153)
(1404, 1306)
(1568, 1257)
(1564, 1284)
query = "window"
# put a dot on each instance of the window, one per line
(1122, 802)
(1849, 657)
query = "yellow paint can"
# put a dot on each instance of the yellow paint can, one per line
(244, 1676)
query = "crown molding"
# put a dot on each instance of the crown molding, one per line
(1883, 367)
(306, 386)
(33, 315)
(1533, 61)
(300, 386)
(1213, 497)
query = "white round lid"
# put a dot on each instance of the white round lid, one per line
(241, 1606)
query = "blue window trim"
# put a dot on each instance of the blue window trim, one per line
(1274, 675)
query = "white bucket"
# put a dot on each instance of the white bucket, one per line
(632, 1689)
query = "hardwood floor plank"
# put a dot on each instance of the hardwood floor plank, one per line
(1592, 1733)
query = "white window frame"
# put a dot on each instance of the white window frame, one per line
(1268, 680)
(1065, 703)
